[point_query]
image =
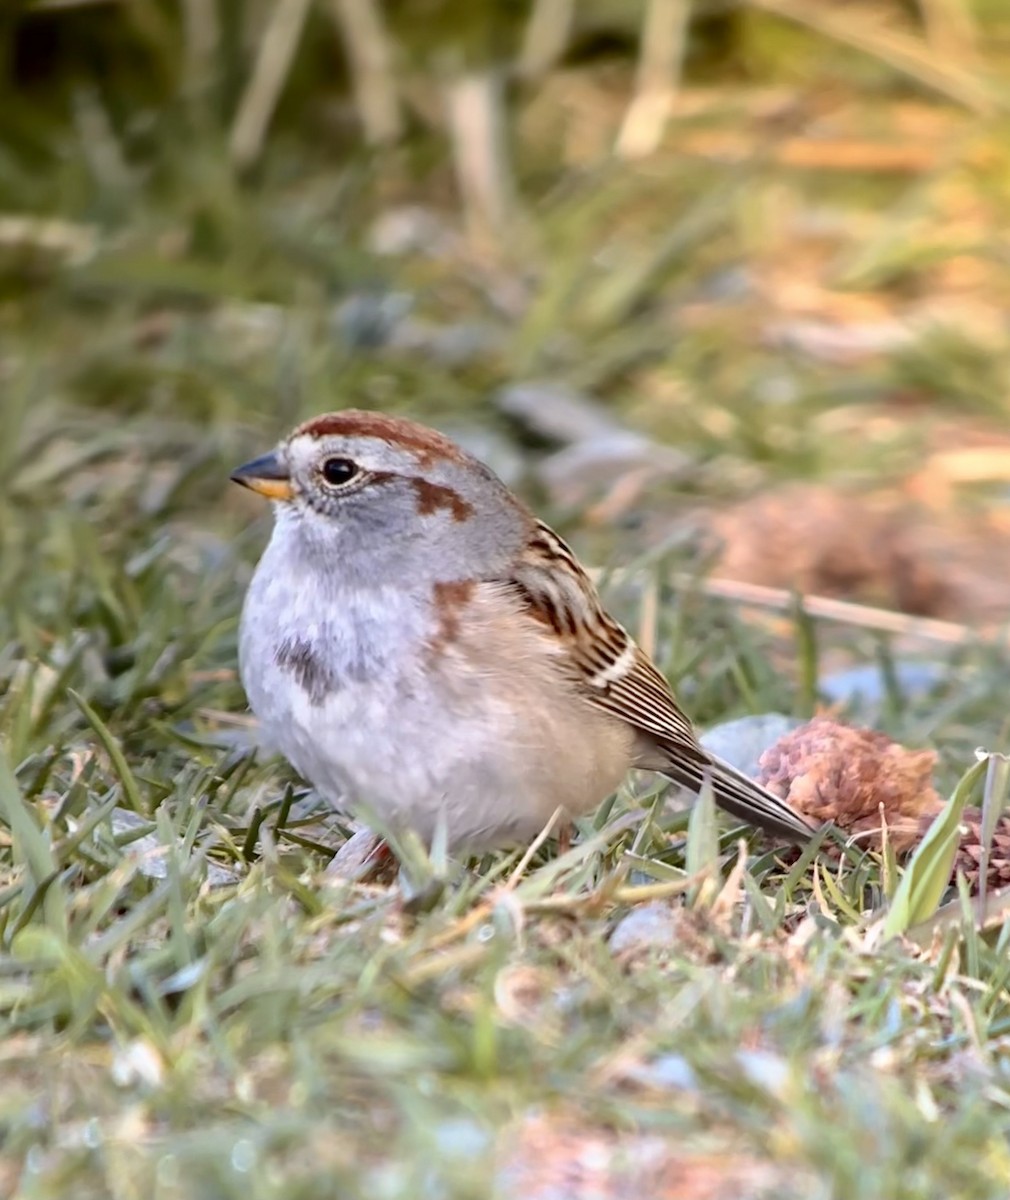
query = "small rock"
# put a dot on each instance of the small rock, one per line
(453, 345)
(668, 1073)
(411, 229)
(460, 1138)
(840, 344)
(726, 285)
(47, 241)
(742, 742)
(137, 1063)
(555, 411)
(864, 690)
(149, 852)
(369, 320)
(600, 462)
(644, 927)
(385, 321)
(765, 1070)
(619, 463)
(249, 328)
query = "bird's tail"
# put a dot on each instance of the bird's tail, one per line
(742, 797)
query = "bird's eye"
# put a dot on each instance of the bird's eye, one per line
(338, 470)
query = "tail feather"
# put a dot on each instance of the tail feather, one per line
(743, 798)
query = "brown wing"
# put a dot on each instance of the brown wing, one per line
(614, 674)
(609, 668)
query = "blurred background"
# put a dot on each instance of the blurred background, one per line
(726, 281)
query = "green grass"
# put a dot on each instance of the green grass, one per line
(282, 1035)
(189, 1005)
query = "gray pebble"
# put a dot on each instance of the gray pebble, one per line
(644, 927)
(742, 742)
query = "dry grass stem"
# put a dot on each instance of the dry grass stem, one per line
(373, 73)
(276, 50)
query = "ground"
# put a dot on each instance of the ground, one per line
(797, 302)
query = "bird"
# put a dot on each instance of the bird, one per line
(424, 650)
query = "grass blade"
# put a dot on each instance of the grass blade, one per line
(927, 876)
(703, 844)
(994, 801)
(111, 747)
(32, 845)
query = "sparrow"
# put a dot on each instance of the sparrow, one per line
(421, 648)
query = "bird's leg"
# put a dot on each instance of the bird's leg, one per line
(565, 830)
(361, 858)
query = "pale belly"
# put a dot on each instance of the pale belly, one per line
(491, 776)
(486, 757)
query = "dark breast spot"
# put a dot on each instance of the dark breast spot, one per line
(300, 659)
(451, 598)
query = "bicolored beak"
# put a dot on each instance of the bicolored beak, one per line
(266, 475)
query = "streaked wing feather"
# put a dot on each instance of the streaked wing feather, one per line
(741, 796)
(615, 675)
(609, 668)
(643, 697)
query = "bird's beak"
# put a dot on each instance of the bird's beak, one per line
(266, 475)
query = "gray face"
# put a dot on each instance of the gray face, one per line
(369, 510)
